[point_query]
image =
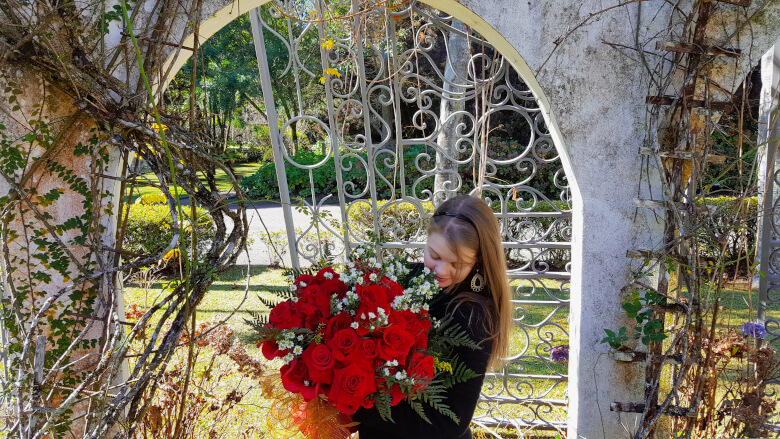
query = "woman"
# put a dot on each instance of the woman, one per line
(464, 250)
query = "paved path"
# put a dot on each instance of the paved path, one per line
(271, 214)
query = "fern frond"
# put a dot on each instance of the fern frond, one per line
(382, 404)
(257, 320)
(420, 410)
(433, 395)
(268, 303)
(460, 373)
(295, 272)
(282, 293)
(448, 335)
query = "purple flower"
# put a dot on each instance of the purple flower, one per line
(560, 354)
(752, 329)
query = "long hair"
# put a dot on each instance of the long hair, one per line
(483, 236)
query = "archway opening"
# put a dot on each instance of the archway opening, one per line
(378, 133)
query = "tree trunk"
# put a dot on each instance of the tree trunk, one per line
(446, 182)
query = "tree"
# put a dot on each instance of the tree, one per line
(450, 114)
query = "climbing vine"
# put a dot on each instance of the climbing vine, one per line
(676, 291)
(65, 342)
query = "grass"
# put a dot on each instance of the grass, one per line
(540, 326)
(228, 300)
(221, 179)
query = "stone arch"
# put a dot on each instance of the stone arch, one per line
(459, 10)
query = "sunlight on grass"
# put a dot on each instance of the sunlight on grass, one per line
(540, 327)
(228, 299)
(221, 179)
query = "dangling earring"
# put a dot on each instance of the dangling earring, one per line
(477, 282)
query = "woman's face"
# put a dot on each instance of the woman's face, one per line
(444, 262)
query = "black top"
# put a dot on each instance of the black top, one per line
(462, 398)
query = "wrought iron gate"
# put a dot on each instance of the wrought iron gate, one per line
(413, 104)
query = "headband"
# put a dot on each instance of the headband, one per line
(455, 215)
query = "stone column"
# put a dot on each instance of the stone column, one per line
(768, 133)
(55, 210)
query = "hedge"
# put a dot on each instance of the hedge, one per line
(263, 184)
(149, 229)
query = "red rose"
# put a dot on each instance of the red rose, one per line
(285, 315)
(421, 369)
(314, 304)
(369, 349)
(395, 343)
(341, 320)
(351, 385)
(344, 343)
(394, 289)
(334, 286)
(319, 359)
(371, 297)
(417, 326)
(305, 280)
(271, 350)
(327, 273)
(294, 377)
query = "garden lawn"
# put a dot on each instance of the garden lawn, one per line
(222, 180)
(228, 297)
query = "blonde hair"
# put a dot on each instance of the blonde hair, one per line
(481, 233)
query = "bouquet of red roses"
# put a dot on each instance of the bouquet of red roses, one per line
(363, 338)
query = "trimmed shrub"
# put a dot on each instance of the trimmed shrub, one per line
(538, 229)
(263, 184)
(400, 221)
(149, 229)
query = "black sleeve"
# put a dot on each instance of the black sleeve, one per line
(462, 398)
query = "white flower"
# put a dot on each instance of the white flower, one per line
(293, 287)
(306, 383)
(354, 325)
(300, 337)
(371, 315)
(294, 299)
(328, 275)
(386, 371)
(373, 277)
(303, 284)
(288, 358)
(297, 350)
(394, 362)
(400, 375)
(427, 270)
(363, 316)
(372, 260)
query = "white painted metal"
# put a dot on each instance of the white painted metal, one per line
(392, 93)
